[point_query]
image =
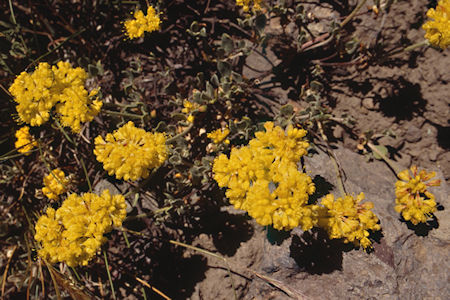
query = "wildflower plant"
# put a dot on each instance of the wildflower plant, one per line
(25, 142)
(130, 153)
(254, 5)
(55, 184)
(142, 23)
(348, 219)
(74, 232)
(438, 27)
(60, 87)
(263, 178)
(413, 200)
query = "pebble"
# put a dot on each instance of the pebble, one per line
(413, 134)
(369, 103)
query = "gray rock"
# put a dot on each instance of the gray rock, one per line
(413, 134)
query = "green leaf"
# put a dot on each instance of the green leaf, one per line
(260, 22)
(382, 149)
(224, 68)
(227, 43)
(287, 110)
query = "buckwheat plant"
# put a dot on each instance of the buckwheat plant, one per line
(25, 142)
(74, 232)
(60, 87)
(413, 200)
(438, 29)
(348, 219)
(141, 23)
(219, 135)
(263, 178)
(130, 153)
(247, 4)
(55, 184)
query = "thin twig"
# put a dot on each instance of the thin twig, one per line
(340, 182)
(109, 275)
(153, 288)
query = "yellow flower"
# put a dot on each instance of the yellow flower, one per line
(74, 233)
(131, 152)
(218, 135)
(25, 142)
(141, 23)
(55, 184)
(60, 85)
(438, 30)
(33, 94)
(413, 200)
(263, 179)
(348, 219)
(246, 4)
(75, 105)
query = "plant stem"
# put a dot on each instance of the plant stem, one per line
(353, 13)
(122, 114)
(56, 48)
(109, 275)
(86, 174)
(393, 165)
(211, 254)
(186, 131)
(340, 183)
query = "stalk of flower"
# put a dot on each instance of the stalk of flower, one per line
(25, 142)
(413, 200)
(142, 23)
(130, 153)
(74, 232)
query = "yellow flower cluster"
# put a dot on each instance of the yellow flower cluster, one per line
(263, 179)
(438, 30)
(60, 85)
(131, 152)
(246, 4)
(219, 135)
(74, 232)
(413, 200)
(141, 23)
(348, 219)
(55, 184)
(25, 141)
(188, 108)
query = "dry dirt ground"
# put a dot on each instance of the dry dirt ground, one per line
(406, 100)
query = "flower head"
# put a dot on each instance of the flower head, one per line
(60, 87)
(55, 184)
(131, 152)
(219, 135)
(438, 29)
(347, 218)
(141, 23)
(25, 141)
(263, 179)
(413, 200)
(33, 94)
(247, 3)
(74, 233)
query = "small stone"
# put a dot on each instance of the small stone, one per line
(369, 103)
(413, 134)
(338, 132)
(433, 154)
